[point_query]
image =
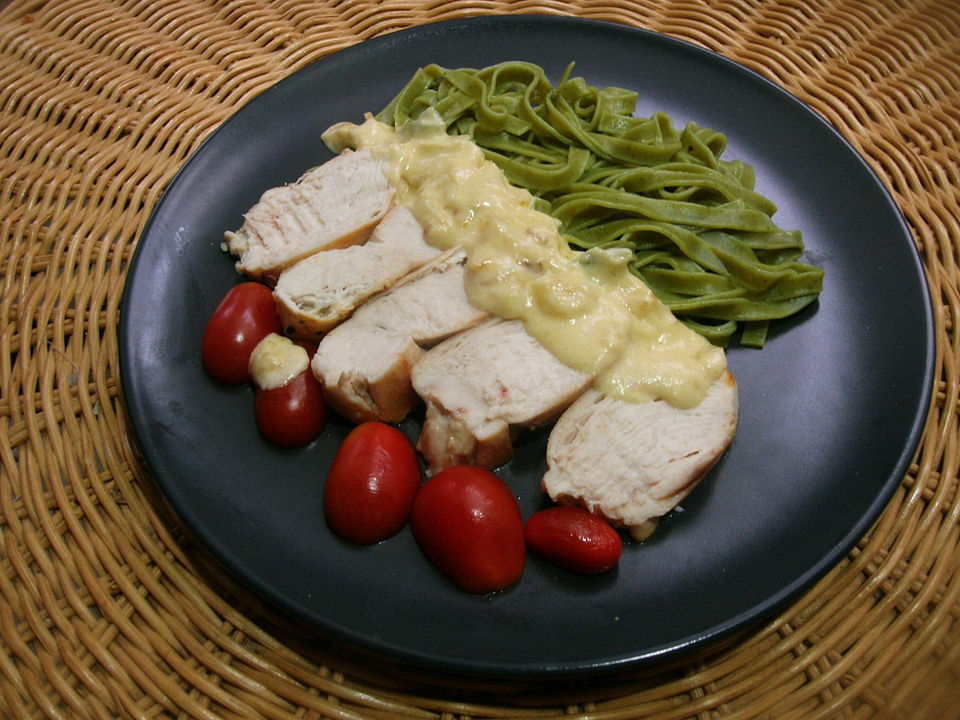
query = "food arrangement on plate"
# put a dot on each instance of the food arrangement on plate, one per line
(507, 254)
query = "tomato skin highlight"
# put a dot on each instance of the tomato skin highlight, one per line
(574, 539)
(468, 523)
(246, 315)
(372, 482)
(293, 414)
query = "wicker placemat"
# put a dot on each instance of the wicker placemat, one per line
(106, 612)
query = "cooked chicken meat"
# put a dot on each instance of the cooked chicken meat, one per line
(318, 292)
(333, 205)
(364, 364)
(400, 329)
(483, 384)
(631, 463)
(365, 372)
(429, 305)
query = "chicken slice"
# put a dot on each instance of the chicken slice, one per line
(317, 293)
(365, 372)
(429, 305)
(631, 463)
(333, 205)
(364, 364)
(482, 385)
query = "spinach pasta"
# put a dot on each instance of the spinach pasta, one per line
(701, 238)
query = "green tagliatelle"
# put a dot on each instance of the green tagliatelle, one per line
(701, 238)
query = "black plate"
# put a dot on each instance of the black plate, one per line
(831, 410)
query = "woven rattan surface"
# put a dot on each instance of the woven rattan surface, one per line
(106, 611)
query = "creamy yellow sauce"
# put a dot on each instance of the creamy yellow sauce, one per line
(275, 361)
(588, 309)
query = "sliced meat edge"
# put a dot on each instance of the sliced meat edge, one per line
(335, 204)
(631, 463)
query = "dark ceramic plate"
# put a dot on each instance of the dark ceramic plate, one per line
(831, 410)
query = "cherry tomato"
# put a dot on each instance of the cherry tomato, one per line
(468, 524)
(574, 539)
(293, 414)
(246, 315)
(371, 484)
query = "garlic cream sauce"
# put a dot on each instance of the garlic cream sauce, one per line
(586, 308)
(275, 361)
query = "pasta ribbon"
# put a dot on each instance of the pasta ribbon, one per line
(702, 238)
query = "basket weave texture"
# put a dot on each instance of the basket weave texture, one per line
(105, 611)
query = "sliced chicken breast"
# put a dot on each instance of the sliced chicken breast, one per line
(334, 205)
(631, 463)
(317, 293)
(482, 385)
(364, 364)
(429, 305)
(365, 372)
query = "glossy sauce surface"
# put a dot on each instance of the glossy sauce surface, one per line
(587, 308)
(275, 361)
